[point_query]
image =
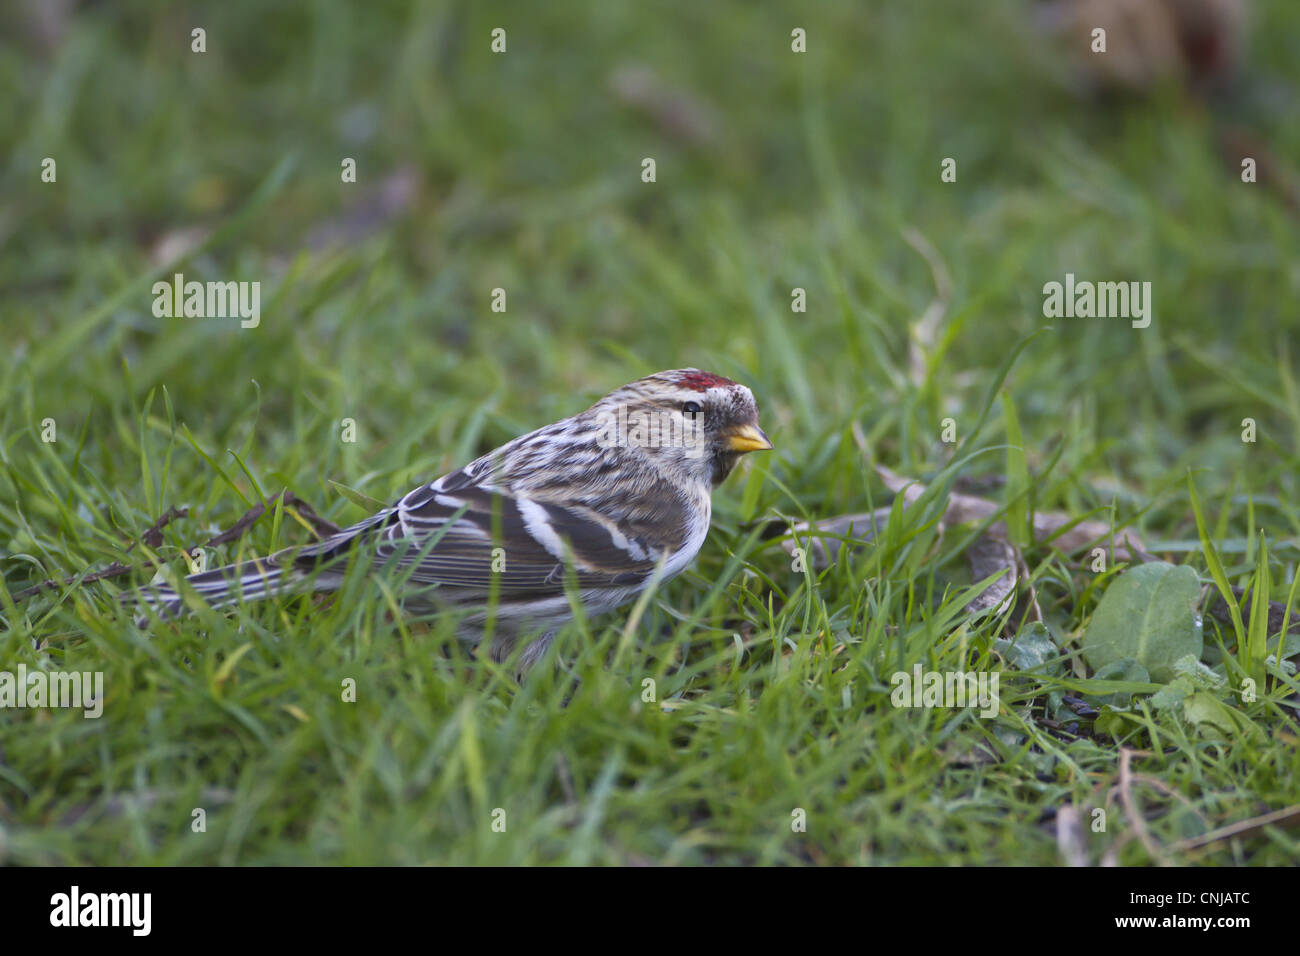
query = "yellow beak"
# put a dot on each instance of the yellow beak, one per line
(746, 438)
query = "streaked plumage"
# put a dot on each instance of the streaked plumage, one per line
(590, 496)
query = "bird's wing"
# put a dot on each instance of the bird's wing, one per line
(464, 531)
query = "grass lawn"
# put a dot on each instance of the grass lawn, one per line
(744, 713)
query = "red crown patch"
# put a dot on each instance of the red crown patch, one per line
(702, 381)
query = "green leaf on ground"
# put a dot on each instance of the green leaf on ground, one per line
(1128, 670)
(1149, 614)
(1031, 648)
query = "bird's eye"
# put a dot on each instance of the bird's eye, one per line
(691, 408)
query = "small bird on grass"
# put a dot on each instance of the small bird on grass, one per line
(605, 500)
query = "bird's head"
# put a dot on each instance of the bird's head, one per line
(691, 423)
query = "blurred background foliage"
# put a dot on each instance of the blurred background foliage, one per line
(521, 170)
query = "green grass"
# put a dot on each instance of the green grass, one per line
(772, 686)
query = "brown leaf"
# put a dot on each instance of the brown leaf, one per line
(677, 112)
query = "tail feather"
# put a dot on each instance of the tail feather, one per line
(220, 587)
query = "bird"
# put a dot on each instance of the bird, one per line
(605, 501)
